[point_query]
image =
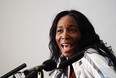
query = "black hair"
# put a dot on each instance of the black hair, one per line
(89, 38)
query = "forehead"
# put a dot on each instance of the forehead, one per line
(67, 20)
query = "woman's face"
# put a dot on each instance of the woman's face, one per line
(67, 35)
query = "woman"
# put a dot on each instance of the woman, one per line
(72, 33)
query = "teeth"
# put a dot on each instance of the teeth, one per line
(66, 45)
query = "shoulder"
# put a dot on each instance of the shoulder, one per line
(95, 64)
(91, 50)
(93, 55)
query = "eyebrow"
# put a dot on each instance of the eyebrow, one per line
(62, 26)
(59, 26)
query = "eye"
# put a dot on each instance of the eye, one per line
(72, 30)
(59, 30)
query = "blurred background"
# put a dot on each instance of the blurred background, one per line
(25, 24)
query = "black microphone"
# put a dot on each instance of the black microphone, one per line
(71, 60)
(47, 65)
(14, 71)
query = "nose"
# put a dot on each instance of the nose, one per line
(65, 35)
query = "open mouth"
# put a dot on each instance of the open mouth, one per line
(67, 46)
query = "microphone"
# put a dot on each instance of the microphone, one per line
(47, 65)
(71, 60)
(14, 71)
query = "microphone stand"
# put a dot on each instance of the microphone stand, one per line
(34, 73)
(41, 74)
(14, 71)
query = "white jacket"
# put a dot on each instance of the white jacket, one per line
(92, 65)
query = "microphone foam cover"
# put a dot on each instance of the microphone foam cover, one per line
(49, 65)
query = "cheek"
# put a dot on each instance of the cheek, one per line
(77, 37)
(57, 38)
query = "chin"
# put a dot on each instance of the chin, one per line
(67, 55)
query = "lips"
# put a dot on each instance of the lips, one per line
(67, 46)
